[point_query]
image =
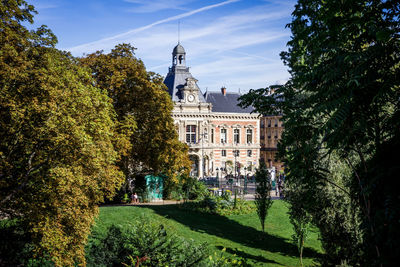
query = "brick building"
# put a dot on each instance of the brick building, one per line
(219, 133)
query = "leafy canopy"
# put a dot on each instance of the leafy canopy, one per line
(341, 106)
(57, 136)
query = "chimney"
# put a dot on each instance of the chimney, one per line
(223, 90)
(272, 91)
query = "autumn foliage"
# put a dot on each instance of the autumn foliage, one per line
(65, 134)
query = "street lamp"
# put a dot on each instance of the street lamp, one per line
(203, 135)
(218, 177)
(236, 155)
(245, 180)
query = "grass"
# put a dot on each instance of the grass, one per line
(239, 234)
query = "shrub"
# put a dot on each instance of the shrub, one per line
(209, 203)
(219, 260)
(227, 195)
(16, 247)
(188, 188)
(143, 241)
(220, 205)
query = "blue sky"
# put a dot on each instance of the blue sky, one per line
(232, 43)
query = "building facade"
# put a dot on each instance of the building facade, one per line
(271, 128)
(219, 133)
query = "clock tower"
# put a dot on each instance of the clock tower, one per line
(182, 86)
(190, 91)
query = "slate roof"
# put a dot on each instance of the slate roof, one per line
(226, 103)
(176, 80)
(178, 49)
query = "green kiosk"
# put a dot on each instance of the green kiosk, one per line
(155, 185)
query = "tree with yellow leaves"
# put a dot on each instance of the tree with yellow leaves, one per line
(141, 96)
(58, 139)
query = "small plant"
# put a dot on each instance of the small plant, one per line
(227, 195)
(301, 221)
(235, 199)
(135, 262)
(125, 198)
(219, 260)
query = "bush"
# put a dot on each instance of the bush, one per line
(143, 241)
(220, 205)
(227, 195)
(188, 188)
(219, 260)
(195, 189)
(16, 247)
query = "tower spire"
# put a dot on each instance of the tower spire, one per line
(179, 31)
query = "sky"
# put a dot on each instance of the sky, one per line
(231, 43)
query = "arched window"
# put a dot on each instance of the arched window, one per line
(180, 59)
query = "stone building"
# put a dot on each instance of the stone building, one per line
(271, 129)
(218, 132)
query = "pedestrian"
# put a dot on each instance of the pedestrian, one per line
(280, 187)
(135, 196)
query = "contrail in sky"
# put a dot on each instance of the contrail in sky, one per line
(133, 31)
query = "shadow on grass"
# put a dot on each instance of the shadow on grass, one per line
(247, 256)
(223, 227)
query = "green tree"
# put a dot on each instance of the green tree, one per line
(341, 105)
(57, 136)
(141, 98)
(301, 221)
(263, 192)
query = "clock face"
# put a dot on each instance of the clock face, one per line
(190, 98)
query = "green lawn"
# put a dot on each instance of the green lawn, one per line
(239, 234)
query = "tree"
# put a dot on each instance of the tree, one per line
(342, 102)
(300, 220)
(57, 136)
(142, 104)
(263, 192)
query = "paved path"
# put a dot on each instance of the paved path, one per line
(248, 197)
